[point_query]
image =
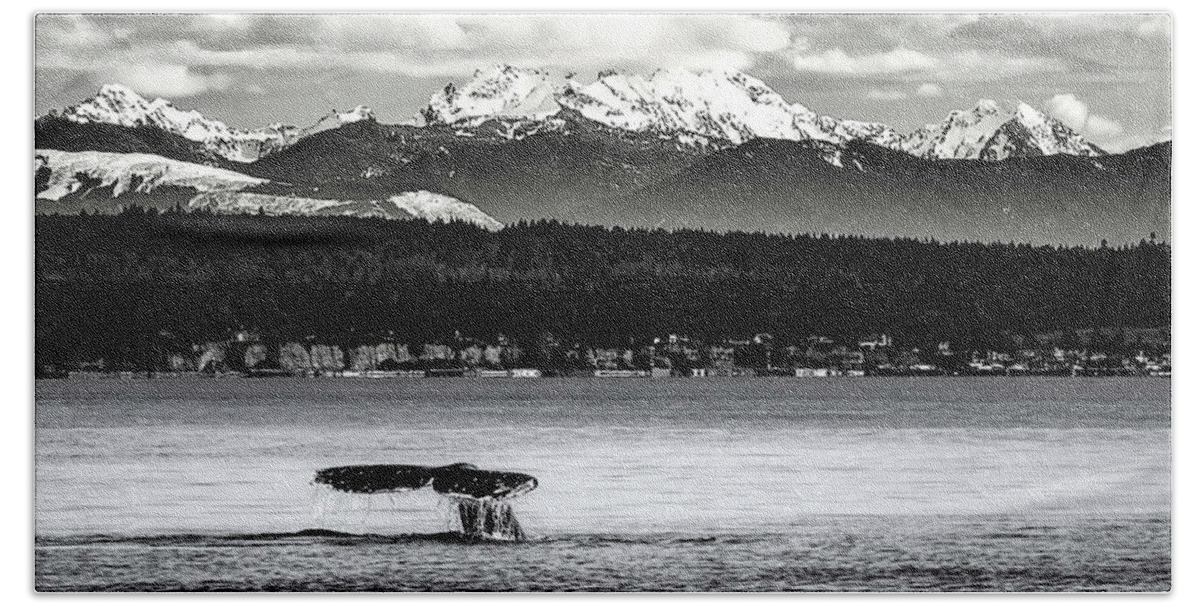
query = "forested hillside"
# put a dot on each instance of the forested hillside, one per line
(125, 286)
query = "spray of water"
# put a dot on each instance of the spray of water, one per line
(490, 518)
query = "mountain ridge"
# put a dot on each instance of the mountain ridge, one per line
(683, 149)
(734, 107)
(117, 104)
(714, 107)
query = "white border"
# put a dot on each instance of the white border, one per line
(16, 358)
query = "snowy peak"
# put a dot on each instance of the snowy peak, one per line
(963, 134)
(1032, 133)
(693, 107)
(115, 104)
(728, 107)
(499, 92)
(988, 107)
(119, 105)
(726, 104)
(992, 131)
(286, 135)
(359, 112)
(710, 109)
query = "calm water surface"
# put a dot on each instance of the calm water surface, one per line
(737, 484)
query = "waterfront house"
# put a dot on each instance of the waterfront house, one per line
(812, 372)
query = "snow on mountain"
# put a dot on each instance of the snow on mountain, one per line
(1032, 133)
(439, 207)
(123, 172)
(269, 204)
(698, 108)
(877, 133)
(359, 112)
(707, 109)
(499, 92)
(120, 105)
(694, 108)
(962, 135)
(409, 205)
(991, 131)
(332, 120)
(727, 105)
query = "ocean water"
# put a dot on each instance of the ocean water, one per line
(887, 484)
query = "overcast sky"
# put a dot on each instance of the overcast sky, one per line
(1108, 75)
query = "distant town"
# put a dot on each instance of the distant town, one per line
(1105, 352)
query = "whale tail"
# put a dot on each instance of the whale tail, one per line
(478, 498)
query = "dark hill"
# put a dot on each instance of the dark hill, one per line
(54, 133)
(786, 186)
(558, 174)
(593, 175)
(590, 174)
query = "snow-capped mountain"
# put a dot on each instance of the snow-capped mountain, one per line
(409, 205)
(990, 131)
(119, 105)
(121, 173)
(717, 150)
(500, 92)
(725, 106)
(728, 107)
(713, 109)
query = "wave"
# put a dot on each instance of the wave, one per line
(336, 537)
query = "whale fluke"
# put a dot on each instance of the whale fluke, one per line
(479, 498)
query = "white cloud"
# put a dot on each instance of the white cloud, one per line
(1075, 113)
(836, 61)
(1130, 141)
(800, 44)
(165, 80)
(415, 45)
(1102, 128)
(960, 65)
(930, 89)
(1069, 109)
(916, 54)
(886, 94)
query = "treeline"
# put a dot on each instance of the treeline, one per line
(129, 287)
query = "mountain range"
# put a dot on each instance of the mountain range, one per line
(716, 150)
(118, 105)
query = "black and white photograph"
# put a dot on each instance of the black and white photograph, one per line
(601, 302)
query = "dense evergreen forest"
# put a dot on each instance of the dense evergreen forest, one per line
(124, 287)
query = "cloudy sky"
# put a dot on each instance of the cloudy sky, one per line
(1107, 75)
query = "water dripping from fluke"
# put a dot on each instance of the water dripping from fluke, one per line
(477, 502)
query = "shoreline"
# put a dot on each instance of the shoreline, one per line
(422, 375)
